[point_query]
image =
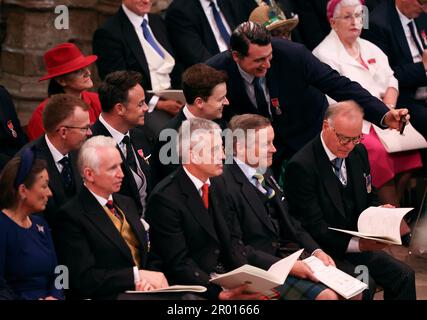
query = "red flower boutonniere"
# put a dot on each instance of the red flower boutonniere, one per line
(372, 61)
(141, 154)
(275, 103)
(423, 35)
(12, 129)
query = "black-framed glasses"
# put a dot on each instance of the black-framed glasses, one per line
(344, 140)
(85, 128)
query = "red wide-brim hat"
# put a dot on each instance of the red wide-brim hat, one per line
(65, 58)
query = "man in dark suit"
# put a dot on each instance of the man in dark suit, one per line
(392, 27)
(104, 231)
(187, 211)
(67, 125)
(283, 81)
(328, 184)
(134, 39)
(205, 91)
(123, 108)
(195, 32)
(12, 138)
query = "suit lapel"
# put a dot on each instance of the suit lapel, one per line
(356, 174)
(97, 215)
(251, 196)
(142, 151)
(328, 177)
(195, 204)
(133, 42)
(238, 89)
(396, 26)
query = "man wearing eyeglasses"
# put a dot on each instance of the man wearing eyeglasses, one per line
(67, 126)
(328, 184)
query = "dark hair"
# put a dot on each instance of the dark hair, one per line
(58, 108)
(115, 88)
(9, 194)
(199, 81)
(54, 88)
(246, 33)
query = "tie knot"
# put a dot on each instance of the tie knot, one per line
(126, 140)
(110, 204)
(205, 188)
(64, 161)
(259, 177)
(144, 23)
(337, 163)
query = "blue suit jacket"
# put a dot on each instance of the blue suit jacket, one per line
(297, 82)
(386, 31)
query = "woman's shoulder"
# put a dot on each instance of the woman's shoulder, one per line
(92, 96)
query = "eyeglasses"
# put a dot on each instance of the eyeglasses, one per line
(85, 128)
(350, 17)
(79, 73)
(344, 140)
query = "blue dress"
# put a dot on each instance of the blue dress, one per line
(27, 260)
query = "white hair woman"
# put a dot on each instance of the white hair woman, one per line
(365, 63)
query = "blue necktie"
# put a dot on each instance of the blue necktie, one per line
(337, 163)
(67, 175)
(150, 39)
(261, 102)
(220, 24)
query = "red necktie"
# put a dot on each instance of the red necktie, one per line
(205, 195)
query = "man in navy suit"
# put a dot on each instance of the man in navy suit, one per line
(283, 81)
(392, 27)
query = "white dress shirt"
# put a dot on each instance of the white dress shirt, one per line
(56, 155)
(196, 181)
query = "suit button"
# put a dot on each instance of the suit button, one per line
(196, 274)
(216, 251)
(244, 253)
(241, 242)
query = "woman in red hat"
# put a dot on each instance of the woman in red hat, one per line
(68, 72)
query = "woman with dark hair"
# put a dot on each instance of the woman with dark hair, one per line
(68, 71)
(27, 254)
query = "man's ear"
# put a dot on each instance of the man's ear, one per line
(236, 56)
(198, 102)
(88, 174)
(119, 108)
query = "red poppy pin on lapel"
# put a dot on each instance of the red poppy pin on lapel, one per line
(12, 129)
(423, 35)
(275, 103)
(372, 61)
(141, 154)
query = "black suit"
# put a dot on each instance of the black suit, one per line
(319, 200)
(386, 31)
(99, 260)
(118, 48)
(56, 185)
(297, 81)
(258, 229)
(139, 142)
(192, 240)
(9, 124)
(191, 34)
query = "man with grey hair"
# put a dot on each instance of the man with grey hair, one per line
(187, 215)
(328, 184)
(103, 229)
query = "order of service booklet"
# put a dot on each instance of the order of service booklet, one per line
(258, 280)
(379, 224)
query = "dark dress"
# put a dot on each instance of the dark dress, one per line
(27, 260)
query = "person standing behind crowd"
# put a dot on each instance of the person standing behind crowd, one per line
(27, 254)
(362, 61)
(68, 71)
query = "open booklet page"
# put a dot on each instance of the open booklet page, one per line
(258, 280)
(393, 141)
(380, 224)
(170, 94)
(339, 281)
(175, 288)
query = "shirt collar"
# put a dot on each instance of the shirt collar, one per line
(246, 76)
(57, 156)
(247, 169)
(102, 201)
(329, 153)
(196, 181)
(135, 19)
(117, 136)
(206, 4)
(404, 19)
(188, 113)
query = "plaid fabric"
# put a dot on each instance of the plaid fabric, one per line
(295, 289)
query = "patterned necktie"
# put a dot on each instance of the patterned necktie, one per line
(150, 39)
(67, 174)
(205, 195)
(110, 206)
(261, 102)
(270, 193)
(413, 31)
(220, 24)
(130, 157)
(337, 164)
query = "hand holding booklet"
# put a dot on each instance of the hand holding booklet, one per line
(258, 280)
(379, 224)
(175, 288)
